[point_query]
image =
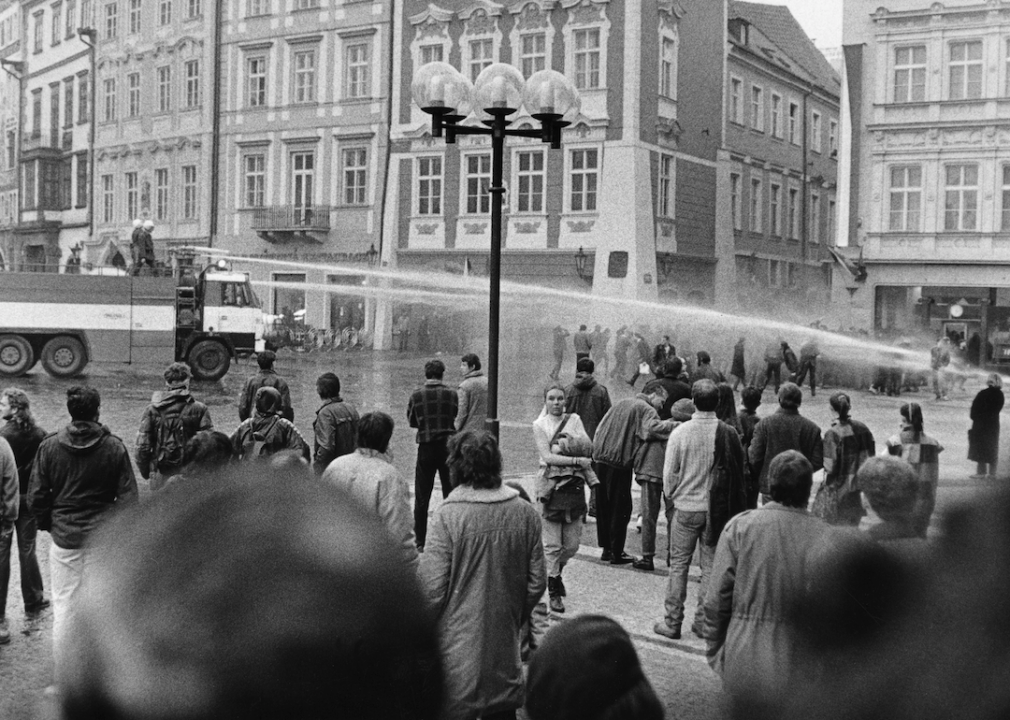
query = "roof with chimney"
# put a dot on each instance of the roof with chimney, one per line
(782, 41)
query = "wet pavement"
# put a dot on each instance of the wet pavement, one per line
(383, 381)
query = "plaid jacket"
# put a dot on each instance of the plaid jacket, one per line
(921, 451)
(847, 445)
(432, 410)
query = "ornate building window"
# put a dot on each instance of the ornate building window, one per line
(965, 70)
(429, 185)
(532, 36)
(586, 33)
(910, 74)
(477, 169)
(960, 202)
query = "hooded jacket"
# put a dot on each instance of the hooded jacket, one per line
(277, 434)
(195, 417)
(81, 473)
(589, 400)
(264, 378)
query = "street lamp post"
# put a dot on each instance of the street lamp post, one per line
(499, 91)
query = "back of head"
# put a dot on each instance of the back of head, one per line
(374, 431)
(673, 367)
(83, 402)
(790, 396)
(654, 386)
(149, 225)
(912, 414)
(328, 386)
(841, 404)
(472, 361)
(585, 365)
(727, 402)
(891, 486)
(251, 597)
(268, 401)
(177, 375)
(266, 359)
(207, 452)
(705, 395)
(474, 460)
(434, 370)
(604, 682)
(790, 477)
(751, 397)
(994, 380)
(704, 358)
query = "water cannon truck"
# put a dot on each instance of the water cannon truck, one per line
(205, 318)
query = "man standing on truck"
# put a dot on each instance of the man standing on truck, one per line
(172, 418)
(266, 377)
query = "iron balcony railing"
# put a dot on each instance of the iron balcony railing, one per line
(291, 218)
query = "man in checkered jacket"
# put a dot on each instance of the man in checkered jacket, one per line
(432, 410)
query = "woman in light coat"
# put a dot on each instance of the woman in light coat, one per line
(482, 573)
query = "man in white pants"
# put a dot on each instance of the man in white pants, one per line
(80, 474)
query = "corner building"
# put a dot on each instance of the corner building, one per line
(929, 89)
(10, 129)
(636, 175)
(304, 113)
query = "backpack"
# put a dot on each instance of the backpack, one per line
(171, 437)
(258, 444)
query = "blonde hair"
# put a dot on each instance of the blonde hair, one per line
(994, 380)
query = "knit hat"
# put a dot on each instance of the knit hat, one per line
(682, 410)
(581, 669)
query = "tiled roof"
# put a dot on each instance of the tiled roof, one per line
(777, 24)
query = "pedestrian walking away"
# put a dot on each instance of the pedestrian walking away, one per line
(848, 444)
(649, 462)
(472, 395)
(23, 436)
(704, 484)
(482, 574)
(983, 437)
(173, 417)
(266, 377)
(583, 343)
(773, 365)
(559, 351)
(628, 424)
(368, 475)
(939, 359)
(335, 428)
(738, 369)
(922, 452)
(785, 429)
(587, 398)
(432, 411)
(81, 474)
(266, 433)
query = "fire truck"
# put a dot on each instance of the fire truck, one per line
(204, 318)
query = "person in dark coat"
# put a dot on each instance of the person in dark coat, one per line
(336, 424)
(773, 365)
(738, 369)
(586, 397)
(785, 430)
(559, 351)
(676, 389)
(267, 432)
(266, 377)
(983, 438)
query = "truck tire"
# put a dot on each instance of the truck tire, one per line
(64, 356)
(16, 356)
(209, 360)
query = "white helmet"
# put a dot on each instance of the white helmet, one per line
(136, 223)
(149, 225)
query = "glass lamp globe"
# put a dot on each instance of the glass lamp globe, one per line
(549, 92)
(498, 87)
(440, 85)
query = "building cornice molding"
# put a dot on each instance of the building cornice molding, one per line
(517, 6)
(433, 13)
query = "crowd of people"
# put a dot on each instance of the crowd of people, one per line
(445, 615)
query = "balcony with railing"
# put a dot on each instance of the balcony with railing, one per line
(279, 223)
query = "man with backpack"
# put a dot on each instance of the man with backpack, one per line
(266, 377)
(266, 432)
(172, 418)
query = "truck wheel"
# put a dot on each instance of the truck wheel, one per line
(209, 360)
(16, 356)
(64, 356)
